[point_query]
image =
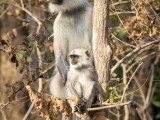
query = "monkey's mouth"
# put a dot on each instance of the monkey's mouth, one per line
(74, 62)
(58, 2)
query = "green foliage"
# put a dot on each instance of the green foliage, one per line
(156, 101)
(3, 4)
(119, 31)
(113, 92)
(29, 59)
(113, 19)
(21, 55)
(158, 116)
(121, 84)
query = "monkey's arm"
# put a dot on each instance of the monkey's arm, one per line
(60, 47)
(60, 51)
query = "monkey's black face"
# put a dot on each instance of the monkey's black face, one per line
(58, 2)
(74, 59)
(78, 58)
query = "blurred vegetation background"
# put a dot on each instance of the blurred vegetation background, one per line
(133, 25)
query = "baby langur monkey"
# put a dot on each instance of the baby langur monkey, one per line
(82, 78)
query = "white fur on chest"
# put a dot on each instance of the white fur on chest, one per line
(80, 77)
(84, 80)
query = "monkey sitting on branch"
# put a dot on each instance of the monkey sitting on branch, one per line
(82, 79)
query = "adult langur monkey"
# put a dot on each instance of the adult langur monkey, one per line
(72, 29)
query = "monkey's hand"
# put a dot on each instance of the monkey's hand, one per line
(81, 107)
(79, 104)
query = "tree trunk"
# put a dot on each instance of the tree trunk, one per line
(101, 45)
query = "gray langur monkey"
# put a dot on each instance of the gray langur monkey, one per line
(81, 82)
(82, 79)
(72, 29)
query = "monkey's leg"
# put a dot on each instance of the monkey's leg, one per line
(75, 90)
(89, 94)
(57, 87)
(74, 115)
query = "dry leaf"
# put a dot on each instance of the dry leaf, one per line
(49, 107)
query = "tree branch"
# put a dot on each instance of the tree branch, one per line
(109, 106)
(133, 52)
(30, 14)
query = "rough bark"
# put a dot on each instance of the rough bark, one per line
(101, 44)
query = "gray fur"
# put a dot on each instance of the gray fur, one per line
(83, 77)
(72, 29)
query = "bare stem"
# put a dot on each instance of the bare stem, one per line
(110, 106)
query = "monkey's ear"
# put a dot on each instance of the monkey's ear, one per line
(88, 54)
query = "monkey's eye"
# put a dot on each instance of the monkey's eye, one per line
(74, 56)
(88, 54)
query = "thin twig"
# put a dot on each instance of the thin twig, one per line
(117, 3)
(115, 114)
(22, 4)
(30, 14)
(126, 110)
(4, 105)
(151, 80)
(2, 111)
(133, 52)
(110, 106)
(123, 24)
(123, 42)
(6, 9)
(140, 88)
(29, 111)
(123, 12)
(137, 54)
(39, 80)
(137, 89)
(135, 9)
(126, 87)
